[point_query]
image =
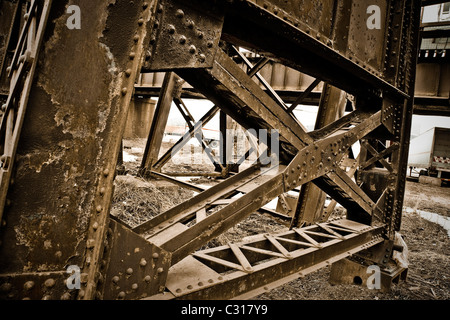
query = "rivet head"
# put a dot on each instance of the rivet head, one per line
(115, 279)
(28, 285)
(134, 286)
(141, 22)
(121, 295)
(65, 296)
(190, 24)
(179, 14)
(129, 271)
(136, 38)
(171, 28)
(143, 262)
(90, 243)
(124, 91)
(155, 255)
(202, 58)
(106, 172)
(99, 208)
(160, 270)
(132, 55)
(192, 49)
(147, 279)
(95, 226)
(5, 287)
(182, 40)
(49, 283)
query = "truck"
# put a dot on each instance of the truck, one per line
(430, 154)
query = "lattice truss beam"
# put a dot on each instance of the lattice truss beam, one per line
(197, 42)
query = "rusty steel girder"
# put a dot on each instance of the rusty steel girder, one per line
(58, 173)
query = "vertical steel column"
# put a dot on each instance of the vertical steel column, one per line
(70, 139)
(159, 122)
(311, 199)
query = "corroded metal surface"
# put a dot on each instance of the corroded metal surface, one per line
(64, 168)
(57, 207)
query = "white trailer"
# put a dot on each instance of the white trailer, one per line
(430, 152)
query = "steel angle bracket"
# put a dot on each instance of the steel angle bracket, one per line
(185, 35)
(133, 268)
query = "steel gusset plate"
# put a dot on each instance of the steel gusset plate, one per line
(135, 269)
(185, 35)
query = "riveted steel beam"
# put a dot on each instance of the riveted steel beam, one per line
(70, 139)
(246, 269)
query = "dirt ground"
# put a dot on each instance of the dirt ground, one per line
(428, 243)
